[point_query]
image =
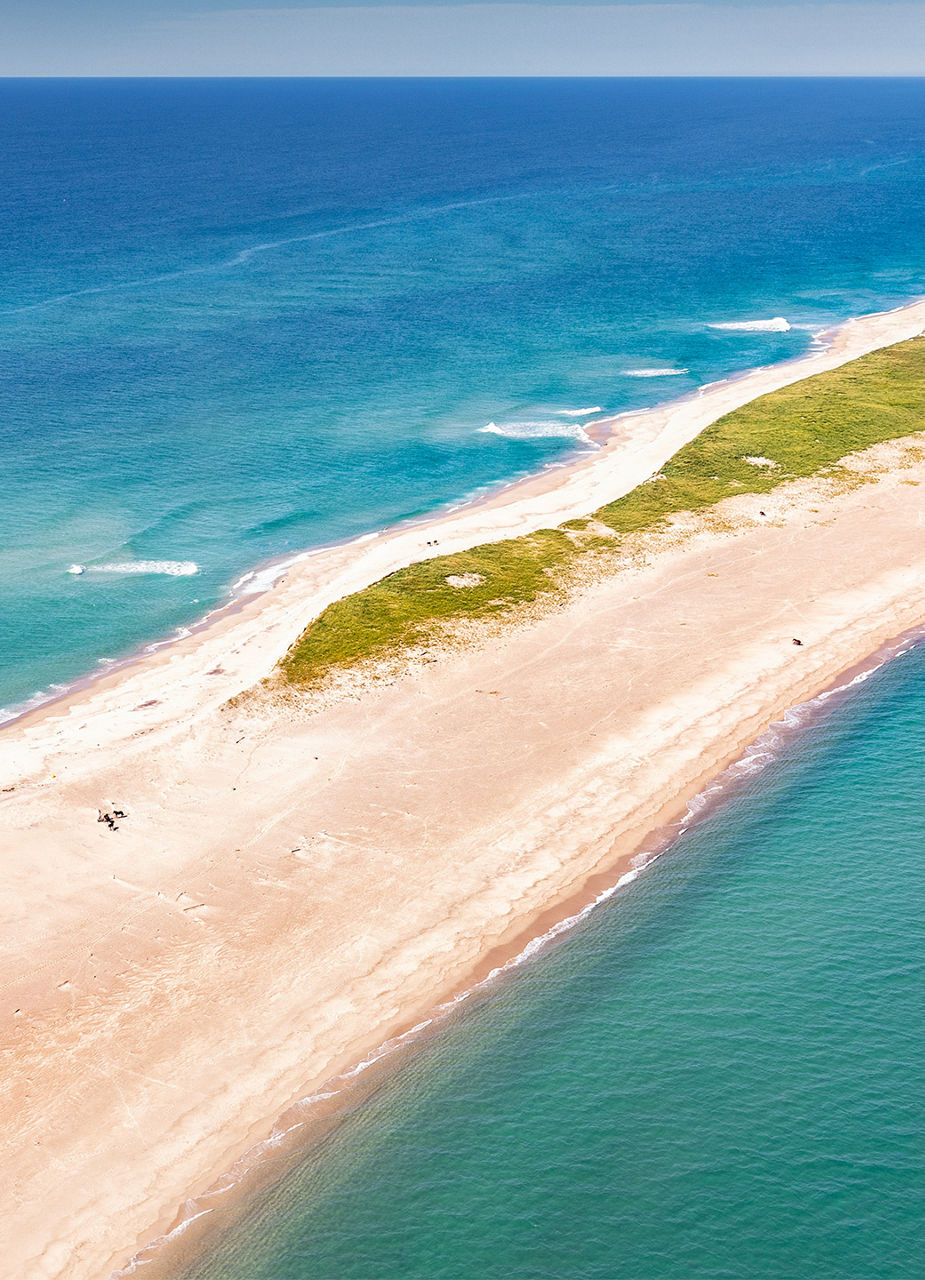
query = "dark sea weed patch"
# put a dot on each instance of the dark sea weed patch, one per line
(790, 434)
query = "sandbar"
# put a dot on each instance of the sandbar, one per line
(297, 881)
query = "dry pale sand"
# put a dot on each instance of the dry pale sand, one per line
(296, 882)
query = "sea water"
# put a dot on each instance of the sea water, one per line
(243, 318)
(719, 1074)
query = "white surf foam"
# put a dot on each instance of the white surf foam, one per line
(579, 413)
(537, 430)
(172, 568)
(256, 581)
(777, 324)
(23, 708)
(262, 579)
(654, 373)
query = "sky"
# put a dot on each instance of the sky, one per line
(461, 37)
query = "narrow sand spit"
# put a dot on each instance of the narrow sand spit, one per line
(295, 883)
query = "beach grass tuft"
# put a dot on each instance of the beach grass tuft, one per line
(790, 434)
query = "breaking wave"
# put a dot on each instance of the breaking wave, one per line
(775, 325)
(172, 568)
(654, 373)
(537, 430)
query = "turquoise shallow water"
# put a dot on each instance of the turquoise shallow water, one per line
(241, 319)
(238, 319)
(720, 1074)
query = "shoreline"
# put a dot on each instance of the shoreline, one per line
(103, 931)
(265, 1164)
(313, 1117)
(601, 432)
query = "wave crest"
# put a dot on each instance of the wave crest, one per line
(654, 373)
(777, 324)
(171, 568)
(537, 430)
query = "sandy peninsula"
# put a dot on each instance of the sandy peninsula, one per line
(297, 881)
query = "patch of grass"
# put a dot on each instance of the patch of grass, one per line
(806, 429)
(410, 607)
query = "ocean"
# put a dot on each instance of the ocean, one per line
(719, 1074)
(239, 319)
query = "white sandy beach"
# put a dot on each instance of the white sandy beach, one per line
(295, 883)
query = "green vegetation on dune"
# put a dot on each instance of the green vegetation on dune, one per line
(408, 607)
(803, 429)
(792, 433)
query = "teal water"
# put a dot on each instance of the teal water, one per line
(243, 318)
(718, 1075)
(239, 319)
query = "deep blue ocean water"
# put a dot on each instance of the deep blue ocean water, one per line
(242, 318)
(238, 319)
(718, 1075)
